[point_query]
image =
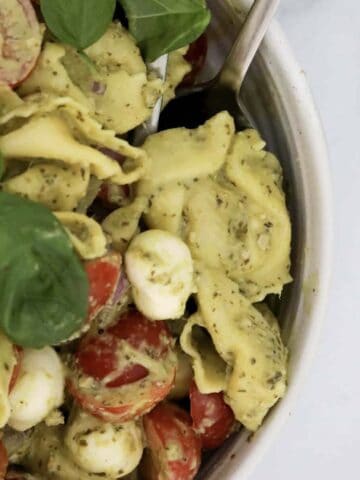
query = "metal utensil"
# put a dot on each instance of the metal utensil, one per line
(151, 125)
(193, 106)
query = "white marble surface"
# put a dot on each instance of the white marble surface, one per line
(321, 440)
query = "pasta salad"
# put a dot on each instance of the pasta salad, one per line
(135, 331)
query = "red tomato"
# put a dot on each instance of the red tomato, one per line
(125, 370)
(21, 41)
(15, 374)
(114, 196)
(174, 449)
(3, 461)
(103, 275)
(196, 56)
(213, 419)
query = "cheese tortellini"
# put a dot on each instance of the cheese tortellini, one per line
(58, 187)
(93, 78)
(247, 341)
(85, 233)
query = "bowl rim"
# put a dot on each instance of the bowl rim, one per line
(241, 456)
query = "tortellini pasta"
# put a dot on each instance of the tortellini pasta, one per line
(210, 370)
(61, 129)
(247, 341)
(179, 154)
(8, 100)
(165, 209)
(257, 175)
(58, 187)
(228, 230)
(177, 68)
(85, 233)
(227, 204)
(50, 76)
(122, 224)
(92, 78)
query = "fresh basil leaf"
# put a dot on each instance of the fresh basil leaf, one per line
(43, 286)
(78, 22)
(161, 26)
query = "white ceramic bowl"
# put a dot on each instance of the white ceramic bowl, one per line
(278, 97)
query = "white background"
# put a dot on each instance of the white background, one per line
(321, 440)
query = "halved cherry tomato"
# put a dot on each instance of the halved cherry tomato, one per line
(103, 275)
(196, 56)
(98, 356)
(21, 41)
(3, 460)
(174, 449)
(122, 372)
(213, 419)
(15, 374)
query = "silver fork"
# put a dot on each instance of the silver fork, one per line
(194, 105)
(151, 124)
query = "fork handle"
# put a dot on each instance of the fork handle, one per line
(247, 43)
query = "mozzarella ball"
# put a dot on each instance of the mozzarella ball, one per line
(38, 390)
(102, 448)
(160, 269)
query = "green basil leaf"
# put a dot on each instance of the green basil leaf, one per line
(43, 285)
(78, 22)
(161, 26)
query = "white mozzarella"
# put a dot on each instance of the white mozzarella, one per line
(102, 448)
(38, 390)
(160, 269)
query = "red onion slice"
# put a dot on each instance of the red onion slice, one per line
(98, 88)
(112, 154)
(121, 288)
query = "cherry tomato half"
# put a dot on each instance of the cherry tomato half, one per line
(21, 41)
(174, 449)
(213, 419)
(103, 275)
(3, 460)
(122, 372)
(15, 374)
(196, 56)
